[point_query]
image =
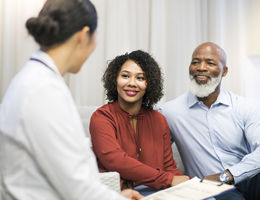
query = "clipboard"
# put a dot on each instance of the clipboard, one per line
(193, 189)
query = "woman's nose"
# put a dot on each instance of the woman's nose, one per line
(132, 82)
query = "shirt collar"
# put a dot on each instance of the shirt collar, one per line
(222, 98)
(45, 58)
(192, 99)
(118, 109)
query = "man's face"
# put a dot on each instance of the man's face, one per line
(205, 65)
(206, 70)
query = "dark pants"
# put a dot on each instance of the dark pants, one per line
(248, 190)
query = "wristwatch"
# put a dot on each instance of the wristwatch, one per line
(223, 177)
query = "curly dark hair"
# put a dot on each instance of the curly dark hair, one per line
(151, 70)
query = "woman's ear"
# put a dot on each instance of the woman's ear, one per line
(83, 35)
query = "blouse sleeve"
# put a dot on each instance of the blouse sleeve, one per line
(113, 158)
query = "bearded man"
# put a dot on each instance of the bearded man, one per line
(217, 132)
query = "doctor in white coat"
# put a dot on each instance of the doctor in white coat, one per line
(44, 153)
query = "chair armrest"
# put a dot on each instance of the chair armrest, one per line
(111, 180)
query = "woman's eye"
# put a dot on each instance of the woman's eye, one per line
(124, 75)
(140, 78)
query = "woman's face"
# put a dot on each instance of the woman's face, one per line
(87, 46)
(91, 45)
(131, 83)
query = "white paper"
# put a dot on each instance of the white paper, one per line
(191, 190)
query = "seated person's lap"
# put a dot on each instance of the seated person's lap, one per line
(145, 190)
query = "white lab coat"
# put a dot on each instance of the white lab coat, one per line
(44, 153)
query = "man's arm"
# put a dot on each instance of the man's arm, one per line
(215, 177)
(249, 165)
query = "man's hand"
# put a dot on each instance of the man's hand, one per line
(215, 177)
(179, 179)
(131, 194)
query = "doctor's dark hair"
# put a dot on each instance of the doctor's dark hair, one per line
(152, 73)
(60, 19)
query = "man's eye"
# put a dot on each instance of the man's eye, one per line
(194, 62)
(212, 63)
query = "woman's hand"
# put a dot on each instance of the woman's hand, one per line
(179, 179)
(131, 194)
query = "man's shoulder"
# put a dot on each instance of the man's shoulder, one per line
(243, 107)
(179, 101)
(175, 106)
(238, 100)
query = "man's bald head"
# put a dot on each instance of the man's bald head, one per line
(214, 49)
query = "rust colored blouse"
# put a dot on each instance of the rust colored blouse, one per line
(144, 157)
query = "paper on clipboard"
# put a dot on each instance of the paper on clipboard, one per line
(192, 189)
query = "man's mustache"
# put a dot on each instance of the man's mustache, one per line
(194, 75)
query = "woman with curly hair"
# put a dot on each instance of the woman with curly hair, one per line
(128, 136)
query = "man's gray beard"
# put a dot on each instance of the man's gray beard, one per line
(204, 90)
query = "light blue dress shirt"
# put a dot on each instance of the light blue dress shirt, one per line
(210, 140)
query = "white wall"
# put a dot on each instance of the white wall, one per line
(168, 29)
